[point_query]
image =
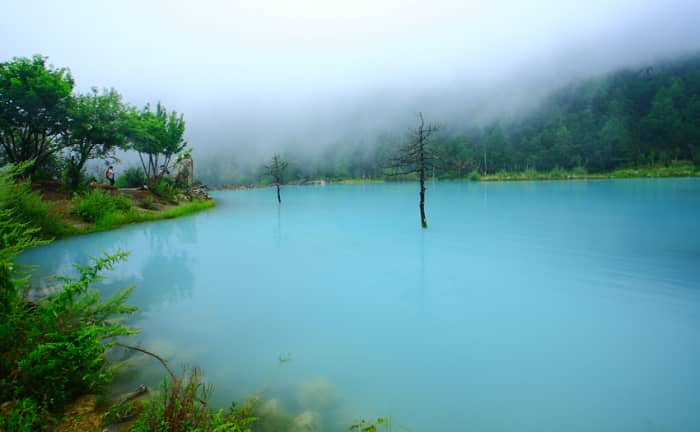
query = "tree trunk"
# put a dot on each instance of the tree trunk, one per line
(279, 199)
(421, 171)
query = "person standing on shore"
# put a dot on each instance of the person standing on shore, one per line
(109, 175)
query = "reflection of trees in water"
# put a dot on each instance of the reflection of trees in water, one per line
(159, 266)
(166, 266)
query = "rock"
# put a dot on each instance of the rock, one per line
(306, 421)
(183, 171)
(199, 193)
(317, 394)
(270, 408)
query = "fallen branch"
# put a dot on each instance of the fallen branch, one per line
(156, 356)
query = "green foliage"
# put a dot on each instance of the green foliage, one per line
(97, 126)
(474, 176)
(120, 413)
(165, 188)
(557, 173)
(156, 136)
(96, 204)
(74, 178)
(147, 203)
(26, 416)
(182, 406)
(52, 349)
(64, 338)
(34, 100)
(579, 171)
(132, 178)
(26, 205)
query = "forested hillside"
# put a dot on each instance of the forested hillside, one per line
(631, 118)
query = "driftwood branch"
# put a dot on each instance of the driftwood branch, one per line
(156, 356)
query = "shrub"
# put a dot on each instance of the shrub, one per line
(26, 205)
(96, 204)
(557, 173)
(132, 178)
(147, 203)
(93, 205)
(25, 416)
(164, 188)
(52, 349)
(182, 406)
(73, 177)
(474, 176)
(579, 171)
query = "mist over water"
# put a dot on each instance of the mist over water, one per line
(257, 77)
(525, 306)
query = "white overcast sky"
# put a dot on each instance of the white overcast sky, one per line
(259, 70)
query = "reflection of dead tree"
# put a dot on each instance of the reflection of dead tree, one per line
(276, 171)
(415, 158)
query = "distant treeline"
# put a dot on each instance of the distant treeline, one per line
(632, 118)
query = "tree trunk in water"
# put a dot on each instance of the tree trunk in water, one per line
(279, 199)
(423, 222)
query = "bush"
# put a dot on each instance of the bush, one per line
(25, 416)
(52, 349)
(474, 176)
(164, 188)
(557, 173)
(147, 203)
(132, 178)
(579, 171)
(182, 405)
(26, 205)
(96, 204)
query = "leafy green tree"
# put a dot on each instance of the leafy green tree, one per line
(97, 128)
(34, 102)
(157, 136)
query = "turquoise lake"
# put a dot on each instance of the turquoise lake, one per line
(526, 306)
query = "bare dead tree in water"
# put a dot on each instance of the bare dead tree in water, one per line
(276, 171)
(416, 157)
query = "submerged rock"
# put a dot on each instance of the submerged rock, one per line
(270, 408)
(318, 394)
(306, 421)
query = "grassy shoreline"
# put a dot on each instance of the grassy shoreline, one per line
(59, 216)
(677, 170)
(120, 219)
(626, 173)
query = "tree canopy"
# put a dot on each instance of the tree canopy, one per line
(34, 104)
(157, 136)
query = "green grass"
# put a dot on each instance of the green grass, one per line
(118, 218)
(676, 170)
(360, 181)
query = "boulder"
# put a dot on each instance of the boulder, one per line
(183, 171)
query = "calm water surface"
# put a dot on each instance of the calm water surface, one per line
(532, 306)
